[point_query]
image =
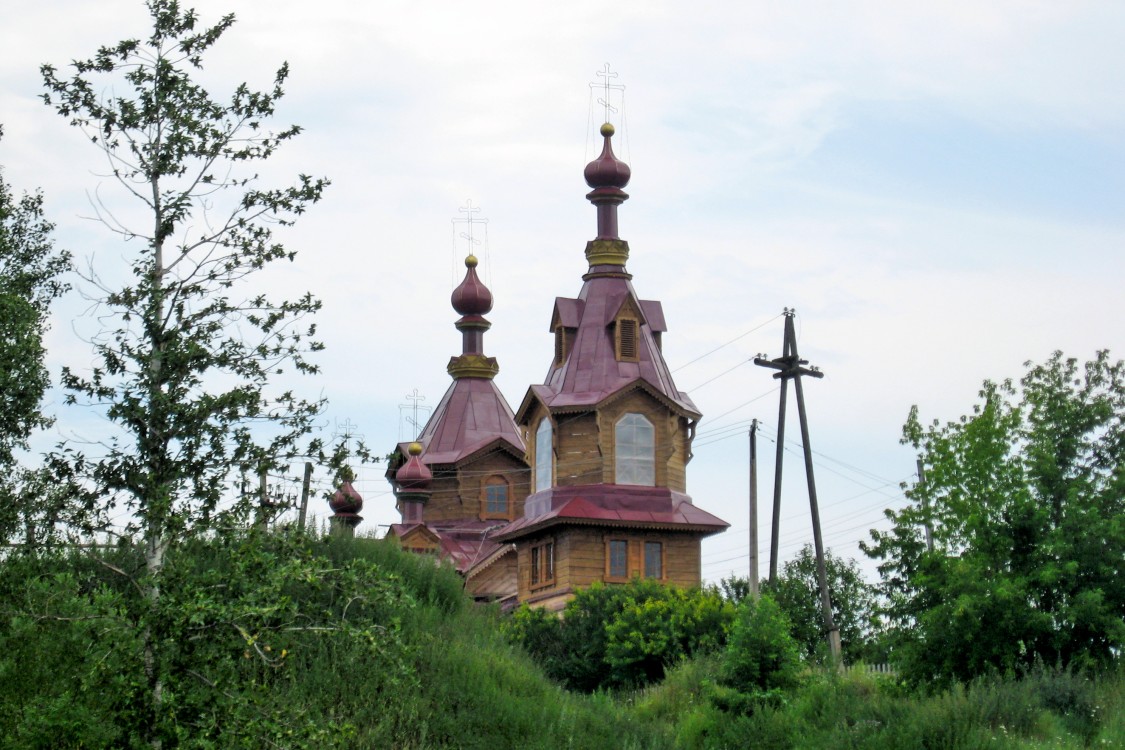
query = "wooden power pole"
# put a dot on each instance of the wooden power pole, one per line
(754, 508)
(305, 485)
(790, 366)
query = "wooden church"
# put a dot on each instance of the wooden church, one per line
(586, 480)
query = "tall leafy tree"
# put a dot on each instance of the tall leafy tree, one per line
(1026, 499)
(854, 606)
(30, 271)
(30, 279)
(185, 368)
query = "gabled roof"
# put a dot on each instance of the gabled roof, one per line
(620, 505)
(469, 544)
(567, 312)
(654, 315)
(471, 416)
(404, 531)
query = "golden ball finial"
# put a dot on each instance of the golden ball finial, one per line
(607, 129)
(471, 261)
(415, 449)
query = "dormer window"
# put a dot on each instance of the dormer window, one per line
(627, 340)
(635, 450)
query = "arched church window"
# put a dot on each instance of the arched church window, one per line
(544, 453)
(635, 449)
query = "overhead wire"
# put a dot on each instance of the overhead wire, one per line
(728, 343)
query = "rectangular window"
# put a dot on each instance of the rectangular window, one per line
(618, 553)
(654, 560)
(543, 564)
(496, 499)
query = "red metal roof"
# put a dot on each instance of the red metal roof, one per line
(469, 544)
(612, 505)
(591, 371)
(472, 415)
(567, 313)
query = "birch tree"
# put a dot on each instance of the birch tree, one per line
(185, 362)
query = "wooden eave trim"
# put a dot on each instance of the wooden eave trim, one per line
(640, 384)
(540, 596)
(498, 444)
(704, 530)
(529, 400)
(614, 313)
(421, 530)
(490, 560)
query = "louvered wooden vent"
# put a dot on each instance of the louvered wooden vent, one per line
(626, 339)
(560, 345)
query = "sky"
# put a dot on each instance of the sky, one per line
(937, 189)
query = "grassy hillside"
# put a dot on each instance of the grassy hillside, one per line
(292, 642)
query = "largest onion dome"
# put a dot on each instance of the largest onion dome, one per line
(607, 171)
(471, 297)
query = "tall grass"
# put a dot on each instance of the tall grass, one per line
(1046, 708)
(471, 687)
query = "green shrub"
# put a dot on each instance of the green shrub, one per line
(625, 635)
(761, 655)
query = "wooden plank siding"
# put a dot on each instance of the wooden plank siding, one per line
(670, 433)
(459, 493)
(495, 581)
(584, 443)
(579, 455)
(581, 559)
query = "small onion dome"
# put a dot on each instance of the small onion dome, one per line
(607, 171)
(471, 297)
(346, 501)
(414, 475)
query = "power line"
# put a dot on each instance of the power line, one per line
(723, 346)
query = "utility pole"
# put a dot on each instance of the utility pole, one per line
(263, 501)
(754, 509)
(790, 366)
(305, 484)
(926, 509)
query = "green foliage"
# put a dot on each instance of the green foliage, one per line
(660, 626)
(1026, 497)
(1045, 708)
(410, 665)
(761, 655)
(854, 607)
(186, 366)
(30, 270)
(240, 621)
(183, 366)
(734, 589)
(622, 635)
